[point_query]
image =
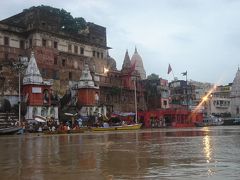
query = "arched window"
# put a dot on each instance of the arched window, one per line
(45, 96)
(52, 112)
(96, 97)
(44, 111)
(34, 112)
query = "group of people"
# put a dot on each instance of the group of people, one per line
(157, 122)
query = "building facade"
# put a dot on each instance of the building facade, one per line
(60, 51)
(219, 102)
(62, 46)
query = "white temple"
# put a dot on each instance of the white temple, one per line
(37, 93)
(136, 61)
(235, 96)
(32, 74)
(86, 80)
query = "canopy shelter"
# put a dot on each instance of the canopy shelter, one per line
(124, 114)
(41, 119)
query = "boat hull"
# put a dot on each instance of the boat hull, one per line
(118, 128)
(9, 130)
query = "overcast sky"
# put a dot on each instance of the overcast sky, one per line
(200, 36)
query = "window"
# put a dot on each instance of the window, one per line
(22, 44)
(102, 55)
(46, 97)
(52, 112)
(6, 56)
(44, 42)
(55, 60)
(165, 103)
(55, 74)
(43, 24)
(63, 62)
(70, 75)
(69, 47)
(30, 43)
(55, 44)
(34, 112)
(98, 54)
(44, 111)
(94, 53)
(6, 41)
(76, 49)
(82, 50)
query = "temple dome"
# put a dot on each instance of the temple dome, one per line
(136, 61)
(111, 63)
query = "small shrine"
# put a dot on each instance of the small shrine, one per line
(37, 93)
(88, 94)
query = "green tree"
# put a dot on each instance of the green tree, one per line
(153, 77)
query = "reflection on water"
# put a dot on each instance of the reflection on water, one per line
(207, 148)
(146, 154)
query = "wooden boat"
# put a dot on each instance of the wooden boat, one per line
(9, 130)
(210, 121)
(118, 128)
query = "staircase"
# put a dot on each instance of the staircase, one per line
(8, 119)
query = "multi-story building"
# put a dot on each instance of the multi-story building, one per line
(200, 91)
(219, 102)
(62, 46)
(182, 94)
(156, 93)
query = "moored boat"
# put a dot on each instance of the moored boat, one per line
(210, 121)
(9, 130)
(118, 128)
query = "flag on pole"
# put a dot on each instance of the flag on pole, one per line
(184, 73)
(169, 68)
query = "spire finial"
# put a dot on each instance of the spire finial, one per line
(135, 49)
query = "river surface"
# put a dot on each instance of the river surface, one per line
(197, 153)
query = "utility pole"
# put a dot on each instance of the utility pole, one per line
(135, 98)
(20, 66)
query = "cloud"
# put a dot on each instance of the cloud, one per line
(200, 36)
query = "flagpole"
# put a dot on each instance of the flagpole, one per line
(173, 75)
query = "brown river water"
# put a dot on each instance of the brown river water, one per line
(194, 153)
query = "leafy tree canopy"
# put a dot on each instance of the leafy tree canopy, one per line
(67, 22)
(153, 77)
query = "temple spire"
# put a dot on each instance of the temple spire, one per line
(135, 50)
(137, 62)
(126, 61)
(32, 74)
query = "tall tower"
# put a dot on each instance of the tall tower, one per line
(235, 96)
(137, 62)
